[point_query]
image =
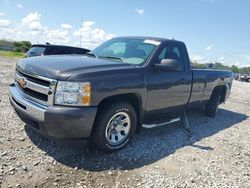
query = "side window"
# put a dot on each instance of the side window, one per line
(63, 50)
(75, 51)
(52, 50)
(172, 52)
(70, 50)
(162, 55)
(67, 50)
(48, 51)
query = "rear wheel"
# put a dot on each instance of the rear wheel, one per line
(212, 105)
(114, 127)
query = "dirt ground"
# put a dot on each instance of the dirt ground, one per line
(217, 154)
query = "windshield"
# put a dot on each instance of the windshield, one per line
(127, 50)
(35, 51)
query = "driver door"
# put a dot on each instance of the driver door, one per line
(168, 90)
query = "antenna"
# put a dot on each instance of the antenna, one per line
(81, 33)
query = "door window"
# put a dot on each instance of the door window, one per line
(172, 52)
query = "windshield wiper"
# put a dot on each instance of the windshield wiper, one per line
(111, 57)
(90, 54)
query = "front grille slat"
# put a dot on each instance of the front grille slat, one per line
(34, 94)
(36, 88)
(33, 79)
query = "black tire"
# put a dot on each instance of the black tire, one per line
(212, 105)
(99, 138)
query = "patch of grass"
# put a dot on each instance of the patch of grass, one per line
(9, 54)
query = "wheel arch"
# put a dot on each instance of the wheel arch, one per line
(132, 98)
(222, 90)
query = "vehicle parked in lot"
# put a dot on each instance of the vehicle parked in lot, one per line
(236, 76)
(243, 78)
(110, 93)
(246, 78)
(49, 49)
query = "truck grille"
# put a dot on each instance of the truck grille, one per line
(34, 87)
(33, 79)
(34, 94)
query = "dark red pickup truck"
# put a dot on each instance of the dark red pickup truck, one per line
(108, 94)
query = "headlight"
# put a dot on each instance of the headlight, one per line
(73, 93)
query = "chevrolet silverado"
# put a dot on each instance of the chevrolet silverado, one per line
(107, 95)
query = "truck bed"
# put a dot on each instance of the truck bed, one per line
(204, 82)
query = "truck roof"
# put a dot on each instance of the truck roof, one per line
(55, 45)
(150, 38)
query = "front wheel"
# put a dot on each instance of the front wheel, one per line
(114, 127)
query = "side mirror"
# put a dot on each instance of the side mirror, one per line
(168, 64)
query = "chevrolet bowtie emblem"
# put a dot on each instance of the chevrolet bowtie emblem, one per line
(22, 82)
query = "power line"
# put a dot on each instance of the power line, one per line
(81, 33)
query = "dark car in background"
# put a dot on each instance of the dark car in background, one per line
(49, 49)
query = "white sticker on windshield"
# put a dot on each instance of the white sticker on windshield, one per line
(154, 42)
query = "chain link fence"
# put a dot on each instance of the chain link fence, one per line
(6, 48)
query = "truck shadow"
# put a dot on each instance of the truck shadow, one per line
(146, 148)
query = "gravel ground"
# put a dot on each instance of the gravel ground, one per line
(217, 155)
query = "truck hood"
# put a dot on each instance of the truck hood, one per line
(63, 66)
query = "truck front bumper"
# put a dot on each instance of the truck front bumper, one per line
(57, 122)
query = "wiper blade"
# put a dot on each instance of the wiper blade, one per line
(90, 54)
(111, 57)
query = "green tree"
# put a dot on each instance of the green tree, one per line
(196, 65)
(22, 46)
(234, 69)
(244, 70)
(220, 66)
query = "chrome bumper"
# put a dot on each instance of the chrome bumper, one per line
(57, 122)
(34, 109)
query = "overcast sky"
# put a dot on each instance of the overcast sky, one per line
(214, 30)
